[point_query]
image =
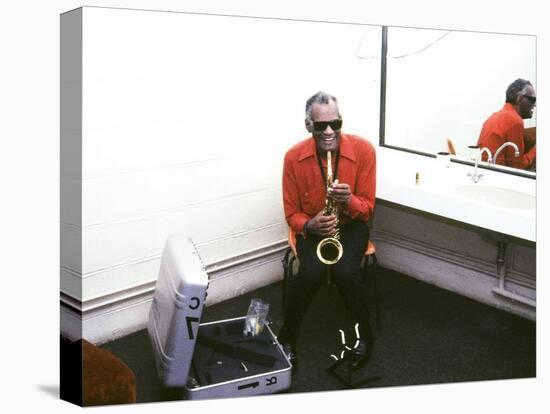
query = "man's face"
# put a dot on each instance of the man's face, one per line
(526, 102)
(328, 138)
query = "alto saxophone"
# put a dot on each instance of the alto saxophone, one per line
(330, 250)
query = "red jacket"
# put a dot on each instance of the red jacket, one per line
(304, 190)
(506, 126)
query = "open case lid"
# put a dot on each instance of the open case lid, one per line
(176, 310)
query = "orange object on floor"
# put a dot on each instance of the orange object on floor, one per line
(105, 378)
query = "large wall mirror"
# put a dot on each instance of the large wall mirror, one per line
(443, 84)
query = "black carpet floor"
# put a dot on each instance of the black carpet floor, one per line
(427, 336)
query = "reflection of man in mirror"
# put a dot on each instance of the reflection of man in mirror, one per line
(506, 125)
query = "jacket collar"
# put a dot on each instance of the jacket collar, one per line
(346, 148)
(509, 107)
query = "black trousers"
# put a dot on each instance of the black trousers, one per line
(347, 275)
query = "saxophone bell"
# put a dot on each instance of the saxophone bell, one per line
(329, 250)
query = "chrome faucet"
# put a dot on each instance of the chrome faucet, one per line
(506, 144)
(477, 176)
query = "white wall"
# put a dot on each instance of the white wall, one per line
(185, 121)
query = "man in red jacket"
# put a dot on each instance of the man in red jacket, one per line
(304, 194)
(506, 125)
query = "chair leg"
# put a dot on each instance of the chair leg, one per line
(376, 292)
(288, 262)
(372, 277)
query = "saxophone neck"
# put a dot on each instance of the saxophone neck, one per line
(329, 167)
(330, 177)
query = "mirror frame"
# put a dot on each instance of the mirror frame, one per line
(382, 127)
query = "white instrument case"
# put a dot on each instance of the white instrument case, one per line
(210, 360)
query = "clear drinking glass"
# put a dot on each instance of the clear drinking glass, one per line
(256, 317)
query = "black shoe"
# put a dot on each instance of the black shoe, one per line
(290, 352)
(362, 353)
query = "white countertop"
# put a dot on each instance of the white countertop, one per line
(436, 192)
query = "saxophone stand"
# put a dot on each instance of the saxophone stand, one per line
(346, 377)
(345, 361)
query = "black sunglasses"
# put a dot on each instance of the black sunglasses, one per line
(531, 99)
(320, 126)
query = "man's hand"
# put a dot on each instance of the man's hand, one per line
(340, 192)
(322, 225)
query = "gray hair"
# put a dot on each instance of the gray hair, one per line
(319, 98)
(515, 89)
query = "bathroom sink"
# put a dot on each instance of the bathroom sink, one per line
(499, 197)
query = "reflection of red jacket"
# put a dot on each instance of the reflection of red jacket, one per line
(304, 191)
(506, 126)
